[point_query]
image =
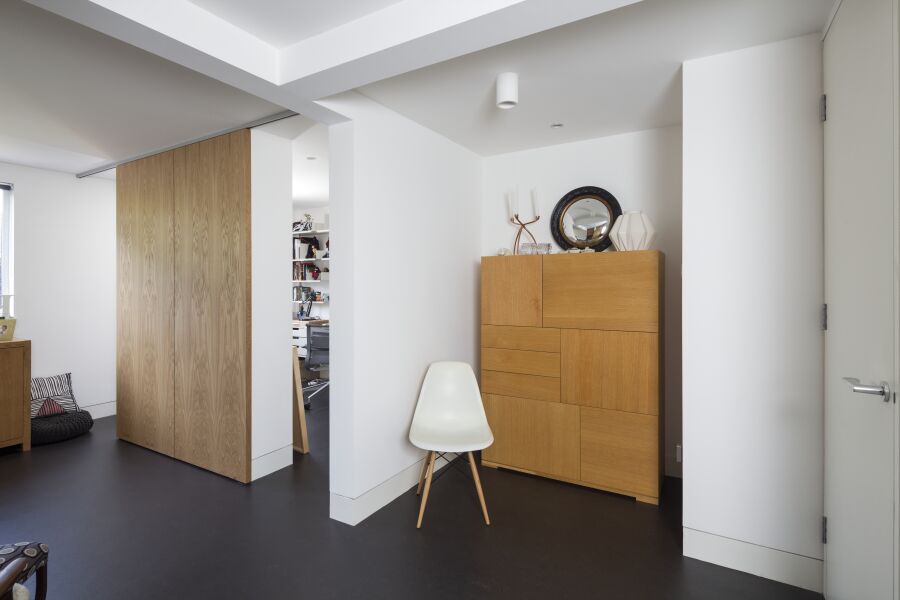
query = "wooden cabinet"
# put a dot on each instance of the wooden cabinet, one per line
(570, 369)
(183, 359)
(15, 393)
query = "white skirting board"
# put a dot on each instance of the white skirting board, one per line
(353, 511)
(786, 567)
(99, 411)
(270, 462)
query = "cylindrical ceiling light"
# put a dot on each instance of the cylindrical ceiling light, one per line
(507, 90)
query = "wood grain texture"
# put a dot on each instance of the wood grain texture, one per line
(511, 290)
(144, 307)
(12, 399)
(538, 339)
(526, 362)
(212, 304)
(619, 451)
(520, 386)
(608, 290)
(617, 370)
(532, 434)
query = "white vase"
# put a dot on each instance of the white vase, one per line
(632, 231)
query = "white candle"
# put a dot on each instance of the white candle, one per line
(534, 209)
(516, 202)
(509, 208)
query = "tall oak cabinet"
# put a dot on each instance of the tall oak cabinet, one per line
(183, 358)
(570, 367)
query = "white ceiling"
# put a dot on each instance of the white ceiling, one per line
(281, 23)
(616, 72)
(72, 98)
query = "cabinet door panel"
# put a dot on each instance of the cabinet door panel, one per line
(608, 290)
(617, 370)
(545, 364)
(521, 386)
(212, 304)
(145, 272)
(511, 290)
(12, 369)
(538, 339)
(619, 451)
(533, 435)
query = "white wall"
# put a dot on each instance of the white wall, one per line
(753, 291)
(405, 216)
(270, 234)
(643, 171)
(65, 279)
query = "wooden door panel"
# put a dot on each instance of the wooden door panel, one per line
(12, 369)
(511, 290)
(538, 339)
(619, 451)
(544, 364)
(145, 272)
(617, 370)
(212, 304)
(608, 290)
(521, 386)
(533, 435)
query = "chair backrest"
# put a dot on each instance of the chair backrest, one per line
(449, 396)
(317, 346)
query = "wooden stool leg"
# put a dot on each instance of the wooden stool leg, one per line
(427, 489)
(41, 588)
(477, 479)
(424, 470)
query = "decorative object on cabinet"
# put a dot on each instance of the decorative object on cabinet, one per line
(583, 218)
(529, 248)
(7, 322)
(15, 393)
(632, 231)
(512, 204)
(449, 417)
(570, 367)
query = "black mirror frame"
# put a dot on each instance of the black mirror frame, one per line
(589, 191)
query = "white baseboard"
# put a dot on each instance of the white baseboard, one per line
(99, 411)
(353, 511)
(786, 567)
(272, 461)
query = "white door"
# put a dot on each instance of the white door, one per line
(860, 283)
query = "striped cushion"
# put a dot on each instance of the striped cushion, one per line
(57, 388)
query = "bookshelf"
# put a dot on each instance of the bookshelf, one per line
(307, 276)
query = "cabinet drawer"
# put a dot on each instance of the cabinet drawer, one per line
(533, 435)
(520, 386)
(538, 339)
(526, 362)
(616, 370)
(620, 451)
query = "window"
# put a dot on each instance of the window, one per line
(6, 241)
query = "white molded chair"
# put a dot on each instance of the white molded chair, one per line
(449, 417)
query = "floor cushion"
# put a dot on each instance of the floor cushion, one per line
(57, 428)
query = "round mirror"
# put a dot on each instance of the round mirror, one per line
(583, 218)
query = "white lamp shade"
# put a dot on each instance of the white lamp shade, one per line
(632, 231)
(507, 90)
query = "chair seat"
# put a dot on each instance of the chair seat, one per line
(443, 439)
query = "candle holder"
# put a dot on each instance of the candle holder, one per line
(523, 226)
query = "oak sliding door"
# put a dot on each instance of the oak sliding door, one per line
(212, 304)
(145, 309)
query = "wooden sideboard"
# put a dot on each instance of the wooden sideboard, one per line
(570, 367)
(15, 393)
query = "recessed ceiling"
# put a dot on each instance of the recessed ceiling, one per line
(281, 23)
(617, 72)
(72, 98)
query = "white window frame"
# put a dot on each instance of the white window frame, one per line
(7, 245)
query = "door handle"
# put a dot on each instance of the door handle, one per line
(883, 389)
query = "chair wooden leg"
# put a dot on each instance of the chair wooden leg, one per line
(428, 475)
(424, 470)
(477, 479)
(41, 587)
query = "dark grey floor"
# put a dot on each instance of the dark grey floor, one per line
(124, 523)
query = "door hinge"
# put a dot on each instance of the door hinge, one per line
(824, 530)
(824, 317)
(823, 108)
